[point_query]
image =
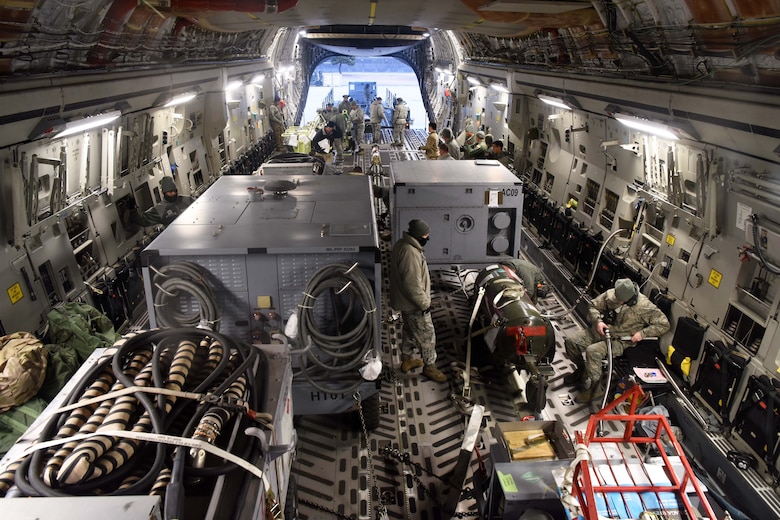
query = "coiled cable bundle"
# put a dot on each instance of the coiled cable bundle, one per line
(336, 327)
(141, 419)
(178, 284)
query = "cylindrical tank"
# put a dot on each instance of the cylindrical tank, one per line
(520, 329)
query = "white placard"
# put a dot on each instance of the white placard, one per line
(743, 213)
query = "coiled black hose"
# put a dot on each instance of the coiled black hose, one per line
(336, 327)
(217, 363)
(175, 282)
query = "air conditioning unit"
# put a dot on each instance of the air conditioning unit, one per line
(474, 208)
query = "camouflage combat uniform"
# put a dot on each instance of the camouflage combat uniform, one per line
(400, 114)
(642, 317)
(410, 293)
(529, 273)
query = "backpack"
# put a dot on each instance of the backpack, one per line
(22, 368)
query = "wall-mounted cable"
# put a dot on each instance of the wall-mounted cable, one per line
(772, 268)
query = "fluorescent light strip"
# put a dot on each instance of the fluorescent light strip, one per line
(233, 85)
(88, 123)
(643, 125)
(474, 81)
(181, 98)
(553, 101)
(500, 88)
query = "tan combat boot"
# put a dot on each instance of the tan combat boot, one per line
(409, 363)
(431, 372)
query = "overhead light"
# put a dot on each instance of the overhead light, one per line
(553, 101)
(181, 98)
(233, 85)
(170, 99)
(565, 102)
(474, 81)
(650, 127)
(258, 78)
(87, 123)
(302, 33)
(673, 130)
(500, 88)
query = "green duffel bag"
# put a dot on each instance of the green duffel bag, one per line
(15, 422)
(22, 368)
(81, 327)
(63, 363)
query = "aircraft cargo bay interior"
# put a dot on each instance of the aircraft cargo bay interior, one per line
(374, 259)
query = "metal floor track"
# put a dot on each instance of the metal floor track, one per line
(416, 446)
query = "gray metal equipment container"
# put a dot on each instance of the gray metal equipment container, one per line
(474, 208)
(258, 242)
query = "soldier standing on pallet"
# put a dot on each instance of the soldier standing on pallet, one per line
(400, 114)
(358, 118)
(377, 114)
(410, 293)
(276, 118)
(344, 105)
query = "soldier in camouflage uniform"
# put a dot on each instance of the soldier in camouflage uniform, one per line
(400, 113)
(529, 273)
(630, 317)
(410, 293)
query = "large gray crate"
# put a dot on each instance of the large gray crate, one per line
(259, 252)
(474, 208)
